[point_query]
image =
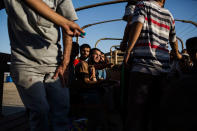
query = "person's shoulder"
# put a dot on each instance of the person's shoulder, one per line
(82, 64)
(166, 10)
(141, 3)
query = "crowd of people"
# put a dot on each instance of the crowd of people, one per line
(54, 84)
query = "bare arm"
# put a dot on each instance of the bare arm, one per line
(174, 46)
(125, 39)
(92, 79)
(70, 27)
(88, 81)
(62, 70)
(127, 30)
(134, 35)
(67, 43)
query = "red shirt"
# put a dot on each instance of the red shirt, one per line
(76, 61)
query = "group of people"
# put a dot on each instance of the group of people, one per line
(41, 71)
(92, 93)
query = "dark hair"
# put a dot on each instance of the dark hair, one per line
(191, 44)
(94, 49)
(75, 49)
(90, 60)
(84, 46)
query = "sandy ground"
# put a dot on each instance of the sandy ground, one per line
(11, 99)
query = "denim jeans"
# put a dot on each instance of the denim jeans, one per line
(44, 97)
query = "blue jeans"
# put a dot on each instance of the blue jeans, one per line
(44, 97)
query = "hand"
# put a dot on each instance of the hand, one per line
(72, 29)
(93, 71)
(63, 74)
(126, 58)
(179, 56)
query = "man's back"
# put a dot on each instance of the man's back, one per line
(151, 48)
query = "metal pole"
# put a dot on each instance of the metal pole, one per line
(111, 53)
(100, 4)
(106, 39)
(187, 21)
(182, 44)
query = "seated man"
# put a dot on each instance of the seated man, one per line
(84, 54)
(89, 97)
(85, 70)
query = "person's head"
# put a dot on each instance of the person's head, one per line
(191, 45)
(161, 2)
(84, 51)
(184, 51)
(95, 55)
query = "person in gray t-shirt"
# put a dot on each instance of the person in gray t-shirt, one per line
(38, 67)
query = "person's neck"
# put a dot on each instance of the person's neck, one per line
(160, 3)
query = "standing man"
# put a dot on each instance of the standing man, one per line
(38, 67)
(152, 28)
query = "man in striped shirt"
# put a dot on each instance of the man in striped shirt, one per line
(152, 28)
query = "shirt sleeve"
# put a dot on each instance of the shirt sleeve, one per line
(66, 9)
(139, 13)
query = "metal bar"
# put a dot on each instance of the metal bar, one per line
(100, 4)
(106, 39)
(111, 53)
(88, 25)
(187, 21)
(182, 44)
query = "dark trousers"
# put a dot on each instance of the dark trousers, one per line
(144, 95)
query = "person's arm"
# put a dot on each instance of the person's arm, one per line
(70, 27)
(136, 28)
(62, 70)
(123, 44)
(90, 82)
(174, 46)
(92, 79)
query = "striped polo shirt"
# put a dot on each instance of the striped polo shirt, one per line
(151, 54)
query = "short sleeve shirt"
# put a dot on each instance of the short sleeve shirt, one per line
(35, 41)
(151, 54)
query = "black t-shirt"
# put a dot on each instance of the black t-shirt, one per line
(2, 6)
